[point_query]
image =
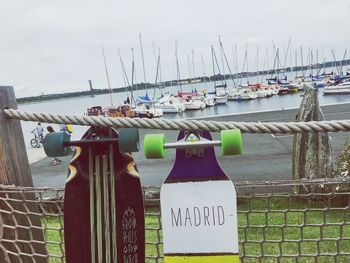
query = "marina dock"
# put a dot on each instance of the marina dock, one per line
(261, 152)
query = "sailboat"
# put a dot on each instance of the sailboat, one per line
(244, 92)
(144, 109)
(168, 103)
(220, 90)
(110, 111)
(143, 99)
(342, 88)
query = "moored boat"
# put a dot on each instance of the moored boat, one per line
(342, 88)
(191, 104)
(170, 104)
(147, 111)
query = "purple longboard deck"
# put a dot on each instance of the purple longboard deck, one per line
(196, 169)
(103, 207)
(199, 213)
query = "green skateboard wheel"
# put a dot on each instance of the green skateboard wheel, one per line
(153, 146)
(129, 140)
(54, 144)
(231, 142)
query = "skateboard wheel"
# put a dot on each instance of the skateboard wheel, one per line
(154, 146)
(129, 140)
(53, 144)
(231, 142)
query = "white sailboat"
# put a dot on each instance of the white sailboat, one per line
(221, 97)
(192, 104)
(209, 101)
(146, 110)
(342, 88)
(170, 104)
(243, 93)
(220, 90)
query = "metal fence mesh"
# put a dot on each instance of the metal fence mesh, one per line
(286, 221)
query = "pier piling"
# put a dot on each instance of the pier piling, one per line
(19, 220)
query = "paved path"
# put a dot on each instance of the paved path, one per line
(35, 154)
(265, 157)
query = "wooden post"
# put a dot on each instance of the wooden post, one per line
(311, 151)
(15, 170)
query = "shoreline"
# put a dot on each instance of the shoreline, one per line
(170, 83)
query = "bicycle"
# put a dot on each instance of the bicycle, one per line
(36, 141)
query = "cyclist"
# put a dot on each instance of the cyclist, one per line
(39, 131)
(38, 136)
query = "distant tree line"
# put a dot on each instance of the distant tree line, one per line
(217, 77)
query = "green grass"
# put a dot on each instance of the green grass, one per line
(263, 222)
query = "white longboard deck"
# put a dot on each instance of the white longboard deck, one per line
(199, 221)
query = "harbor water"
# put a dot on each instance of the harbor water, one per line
(79, 105)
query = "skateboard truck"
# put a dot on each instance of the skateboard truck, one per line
(230, 142)
(58, 143)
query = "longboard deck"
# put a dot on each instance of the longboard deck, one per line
(199, 211)
(103, 208)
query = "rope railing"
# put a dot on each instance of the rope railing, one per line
(166, 124)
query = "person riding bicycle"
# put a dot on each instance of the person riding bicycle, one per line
(39, 131)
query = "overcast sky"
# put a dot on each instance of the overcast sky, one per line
(55, 46)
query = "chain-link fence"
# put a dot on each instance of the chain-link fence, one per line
(286, 221)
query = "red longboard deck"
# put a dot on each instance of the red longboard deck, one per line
(103, 207)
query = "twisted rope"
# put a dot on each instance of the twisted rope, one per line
(165, 124)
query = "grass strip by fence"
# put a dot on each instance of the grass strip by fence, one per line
(279, 229)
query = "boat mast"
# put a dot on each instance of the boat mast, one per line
(312, 63)
(286, 53)
(222, 61)
(126, 79)
(308, 62)
(264, 65)
(246, 54)
(107, 75)
(267, 59)
(236, 52)
(217, 64)
(193, 71)
(335, 62)
(133, 77)
(156, 81)
(274, 65)
(161, 83)
(301, 60)
(143, 64)
(177, 68)
(317, 66)
(189, 71)
(243, 68)
(154, 53)
(203, 66)
(296, 63)
(233, 59)
(341, 62)
(228, 65)
(291, 58)
(212, 59)
(257, 63)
